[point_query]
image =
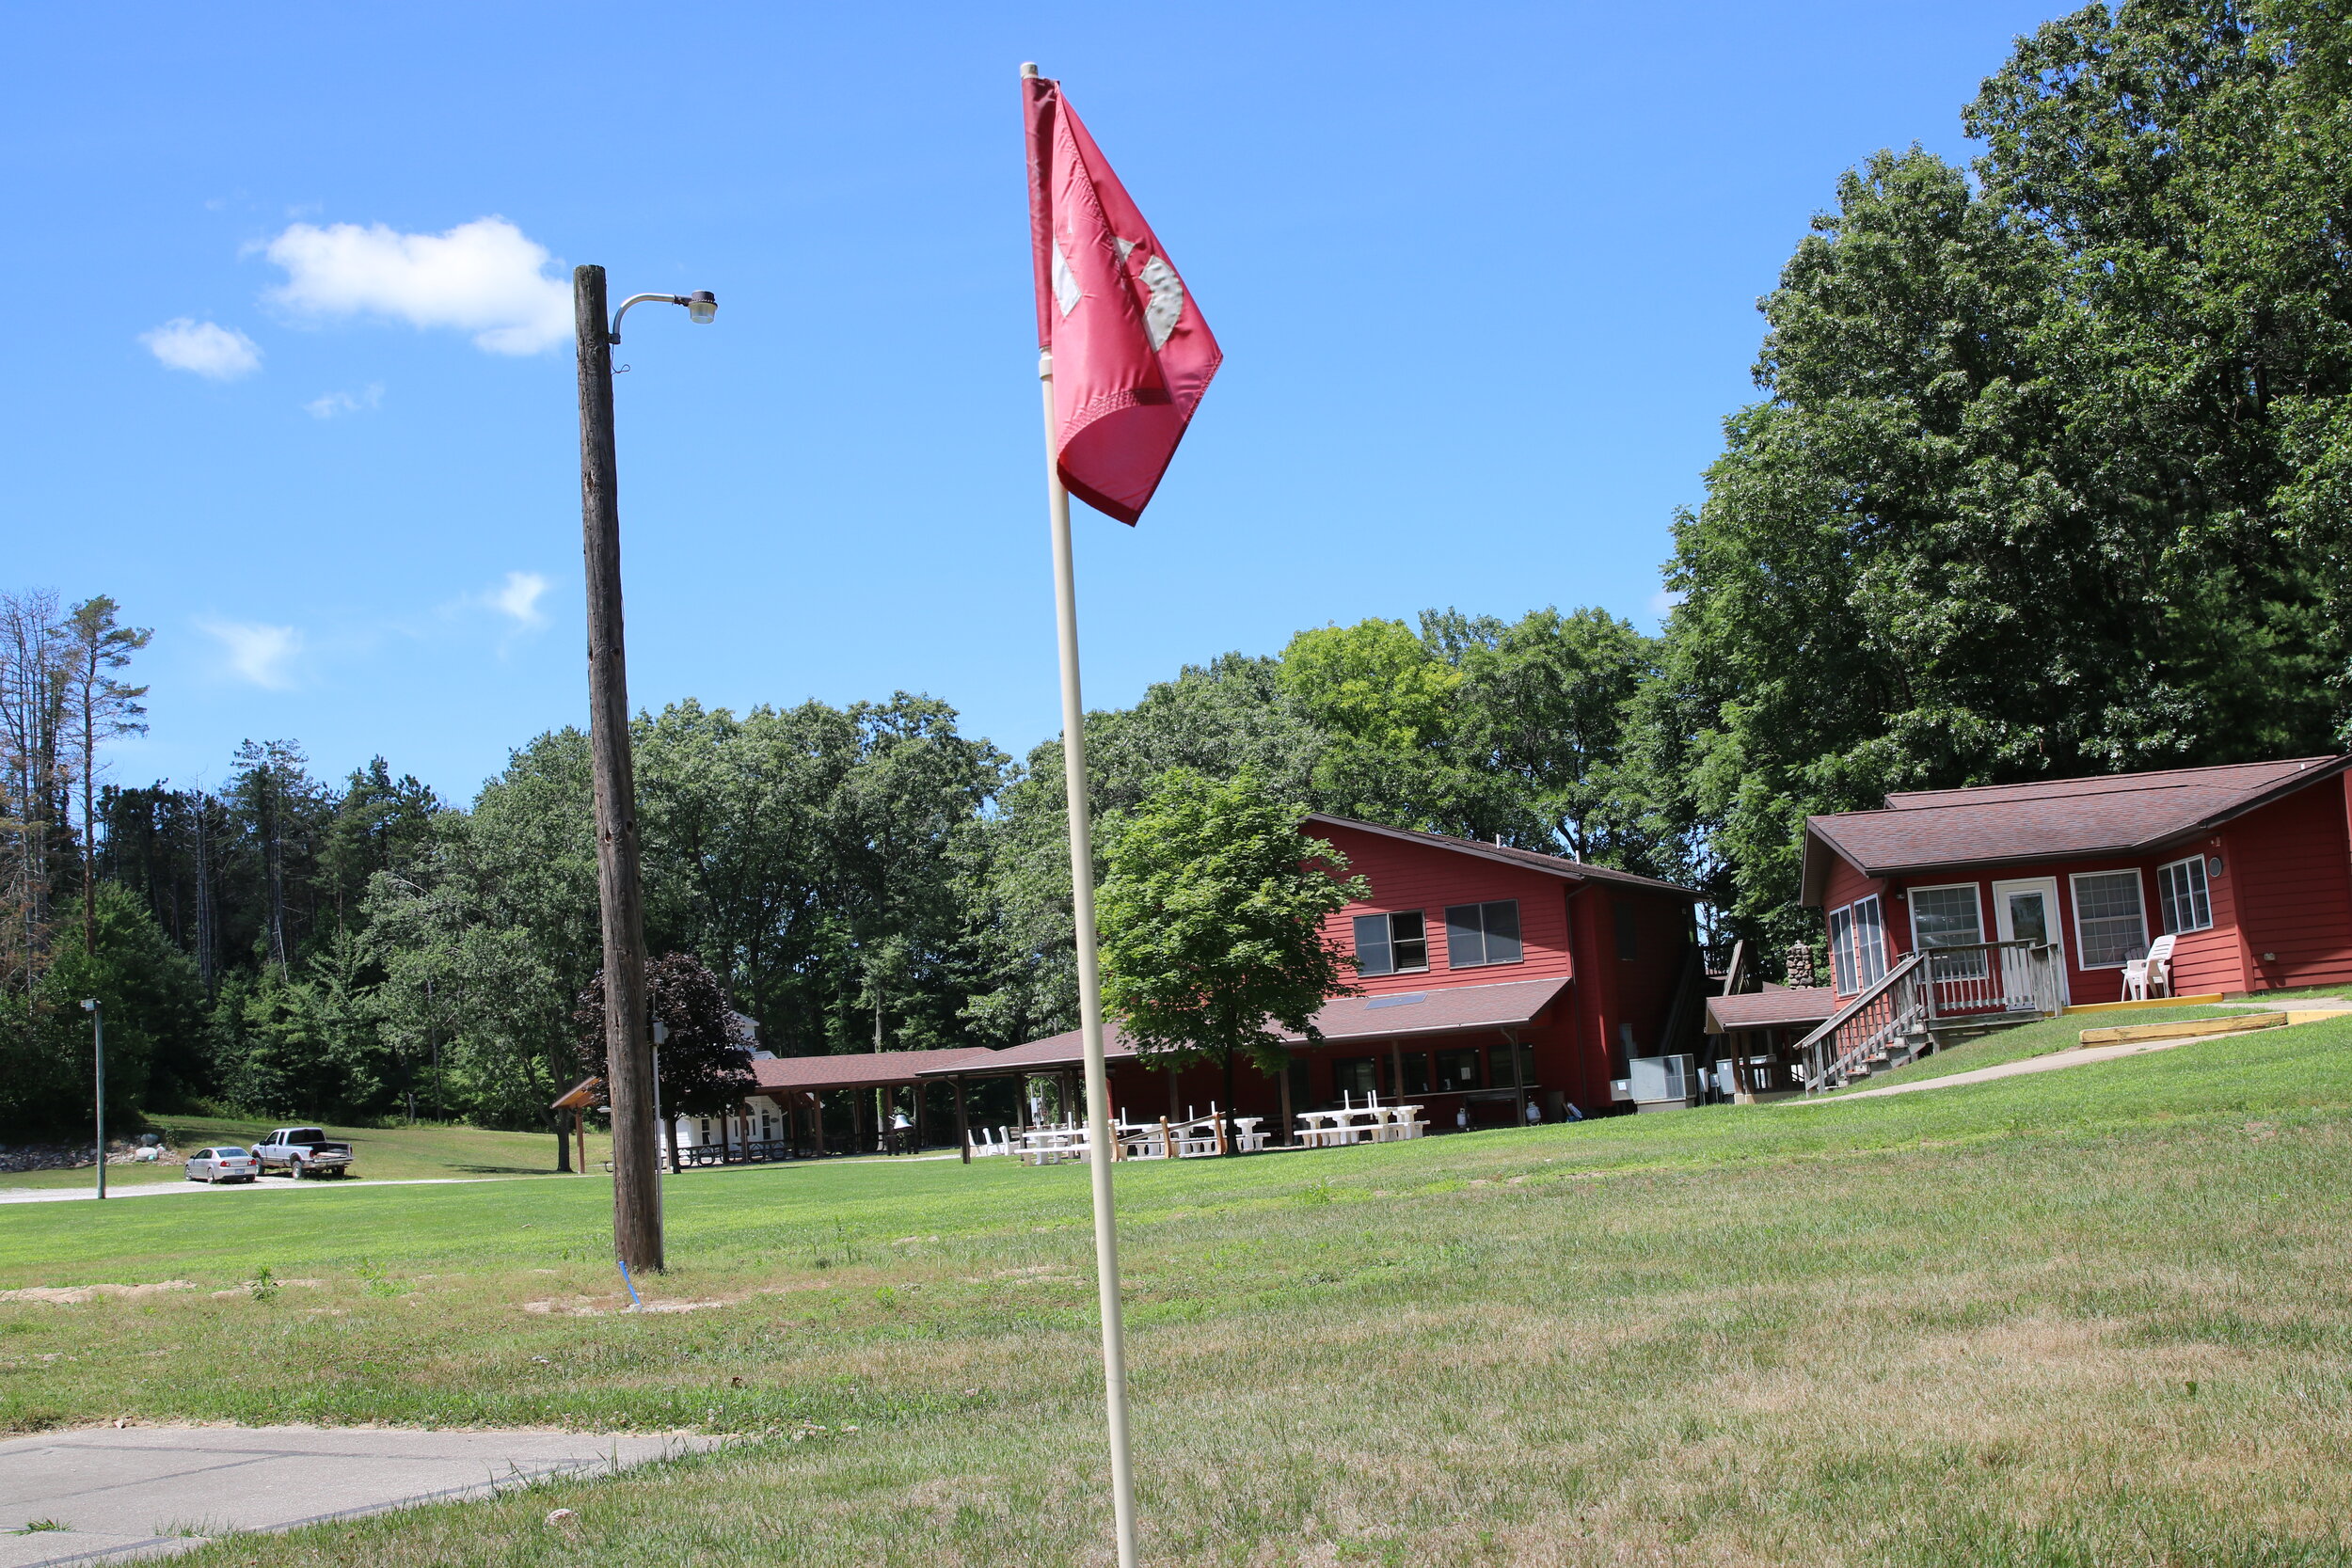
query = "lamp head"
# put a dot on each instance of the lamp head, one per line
(661, 1033)
(701, 307)
(91, 1006)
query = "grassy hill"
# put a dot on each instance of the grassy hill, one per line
(2090, 1317)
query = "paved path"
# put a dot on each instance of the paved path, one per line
(148, 1491)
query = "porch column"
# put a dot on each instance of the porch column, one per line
(857, 1120)
(922, 1117)
(963, 1122)
(1396, 1070)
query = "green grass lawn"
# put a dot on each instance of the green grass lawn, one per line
(2088, 1318)
(380, 1153)
(2063, 1033)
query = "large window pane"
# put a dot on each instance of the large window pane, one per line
(1948, 917)
(2182, 890)
(1372, 945)
(1503, 931)
(1870, 944)
(1457, 1070)
(2110, 927)
(1841, 956)
(1480, 934)
(1408, 944)
(1465, 937)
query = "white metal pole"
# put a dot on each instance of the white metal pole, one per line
(1073, 751)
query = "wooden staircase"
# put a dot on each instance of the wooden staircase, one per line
(1927, 1002)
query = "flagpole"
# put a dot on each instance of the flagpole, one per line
(1099, 1145)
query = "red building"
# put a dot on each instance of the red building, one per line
(1493, 980)
(2249, 867)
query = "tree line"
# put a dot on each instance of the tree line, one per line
(2047, 474)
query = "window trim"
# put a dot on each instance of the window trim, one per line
(1389, 945)
(2203, 893)
(2074, 897)
(1962, 966)
(1518, 935)
(1878, 922)
(1911, 901)
(1843, 970)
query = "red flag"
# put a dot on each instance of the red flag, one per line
(1131, 354)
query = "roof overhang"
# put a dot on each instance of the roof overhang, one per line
(1821, 847)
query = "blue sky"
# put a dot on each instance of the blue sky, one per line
(1484, 276)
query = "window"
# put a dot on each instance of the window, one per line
(1457, 1070)
(1499, 1067)
(2181, 890)
(1869, 941)
(1857, 946)
(1392, 944)
(1355, 1075)
(1950, 917)
(1416, 1066)
(1628, 944)
(2110, 922)
(1479, 934)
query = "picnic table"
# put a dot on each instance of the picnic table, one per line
(1356, 1124)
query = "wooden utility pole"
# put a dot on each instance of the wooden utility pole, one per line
(629, 1051)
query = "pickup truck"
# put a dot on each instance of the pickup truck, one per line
(303, 1151)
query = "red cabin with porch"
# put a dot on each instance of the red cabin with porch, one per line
(2247, 867)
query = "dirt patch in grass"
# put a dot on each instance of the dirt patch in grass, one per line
(69, 1295)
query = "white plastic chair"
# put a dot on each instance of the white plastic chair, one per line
(2141, 976)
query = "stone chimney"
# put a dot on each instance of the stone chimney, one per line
(1800, 966)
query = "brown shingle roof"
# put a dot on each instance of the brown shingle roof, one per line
(861, 1070)
(1766, 1009)
(1441, 1011)
(1555, 866)
(2003, 824)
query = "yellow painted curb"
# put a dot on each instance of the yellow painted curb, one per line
(2203, 999)
(2184, 1028)
(2316, 1015)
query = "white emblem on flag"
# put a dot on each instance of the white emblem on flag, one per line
(1168, 301)
(1066, 290)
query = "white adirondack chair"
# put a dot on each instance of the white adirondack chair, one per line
(2142, 975)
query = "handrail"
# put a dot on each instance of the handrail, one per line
(1870, 992)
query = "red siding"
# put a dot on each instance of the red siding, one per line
(2285, 890)
(2213, 960)
(2292, 863)
(1406, 877)
(1565, 929)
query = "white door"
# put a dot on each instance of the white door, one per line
(2027, 910)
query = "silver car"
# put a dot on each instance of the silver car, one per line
(227, 1164)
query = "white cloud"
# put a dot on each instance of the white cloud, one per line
(486, 277)
(333, 404)
(216, 352)
(520, 599)
(257, 653)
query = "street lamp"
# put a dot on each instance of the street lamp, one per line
(702, 308)
(98, 1035)
(620, 892)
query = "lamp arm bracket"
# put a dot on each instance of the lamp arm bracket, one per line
(615, 336)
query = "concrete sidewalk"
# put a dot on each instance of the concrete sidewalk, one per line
(148, 1491)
